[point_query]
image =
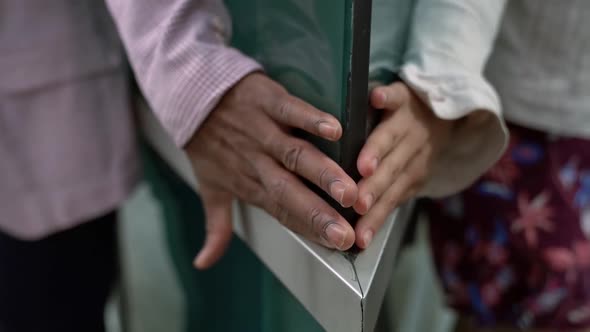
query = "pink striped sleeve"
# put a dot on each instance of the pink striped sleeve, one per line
(178, 51)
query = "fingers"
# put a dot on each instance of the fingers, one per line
(218, 216)
(372, 222)
(391, 169)
(295, 113)
(304, 159)
(384, 138)
(301, 210)
(405, 187)
(387, 135)
(390, 97)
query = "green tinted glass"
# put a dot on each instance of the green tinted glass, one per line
(318, 50)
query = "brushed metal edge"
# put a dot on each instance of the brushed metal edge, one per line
(323, 280)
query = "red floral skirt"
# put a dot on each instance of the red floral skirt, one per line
(514, 248)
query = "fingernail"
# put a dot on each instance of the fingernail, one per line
(368, 200)
(368, 237)
(336, 235)
(328, 130)
(337, 189)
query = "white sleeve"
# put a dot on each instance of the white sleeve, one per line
(449, 44)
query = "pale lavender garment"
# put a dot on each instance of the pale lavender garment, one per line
(179, 55)
(67, 141)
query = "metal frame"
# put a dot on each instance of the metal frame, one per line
(359, 119)
(343, 292)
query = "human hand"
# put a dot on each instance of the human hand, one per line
(245, 150)
(398, 156)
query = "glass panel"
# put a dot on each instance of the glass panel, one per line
(307, 46)
(300, 43)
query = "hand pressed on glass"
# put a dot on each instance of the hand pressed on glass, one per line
(245, 150)
(398, 156)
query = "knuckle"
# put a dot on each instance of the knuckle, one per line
(285, 108)
(315, 221)
(286, 219)
(275, 210)
(271, 140)
(395, 139)
(283, 217)
(403, 136)
(277, 189)
(324, 179)
(396, 170)
(291, 156)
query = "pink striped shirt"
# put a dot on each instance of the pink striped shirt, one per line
(67, 144)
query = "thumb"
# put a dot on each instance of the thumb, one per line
(218, 216)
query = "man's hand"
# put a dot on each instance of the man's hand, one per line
(244, 149)
(398, 156)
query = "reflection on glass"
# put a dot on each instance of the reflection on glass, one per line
(300, 43)
(306, 46)
(389, 35)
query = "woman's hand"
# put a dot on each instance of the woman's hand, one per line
(397, 159)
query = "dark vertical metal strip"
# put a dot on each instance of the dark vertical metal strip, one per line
(357, 116)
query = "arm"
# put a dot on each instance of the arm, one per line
(450, 42)
(442, 126)
(235, 125)
(178, 51)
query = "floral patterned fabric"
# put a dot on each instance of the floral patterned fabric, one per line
(514, 248)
